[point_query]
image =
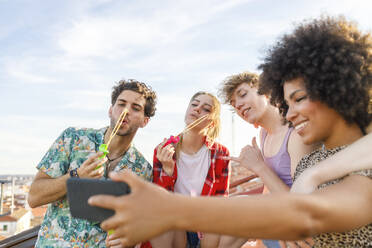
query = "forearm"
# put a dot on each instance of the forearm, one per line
(247, 217)
(355, 157)
(47, 190)
(287, 216)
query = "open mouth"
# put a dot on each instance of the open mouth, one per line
(245, 112)
(124, 122)
(301, 126)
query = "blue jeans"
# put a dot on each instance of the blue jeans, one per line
(192, 240)
(271, 243)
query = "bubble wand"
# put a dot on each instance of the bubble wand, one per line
(104, 147)
(175, 139)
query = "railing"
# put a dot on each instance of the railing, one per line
(24, 239)
(256, 188)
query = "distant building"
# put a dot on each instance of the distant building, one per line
(11, 224)
(38, 215)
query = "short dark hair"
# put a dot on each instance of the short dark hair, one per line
(139, 87)
(333, 58)
(229, 85)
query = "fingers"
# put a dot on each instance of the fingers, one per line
(114, 223)
(113, 242)
(97, 173)
(109, 202)
(235, 159)
(103, 201)
(165, 153)
(91, 168)
(122, 235)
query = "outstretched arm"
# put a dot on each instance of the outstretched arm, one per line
(355, 157)
(339, 207)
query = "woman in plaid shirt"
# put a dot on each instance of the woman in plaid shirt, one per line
(190, 164)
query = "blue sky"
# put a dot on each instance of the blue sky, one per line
(60, 59)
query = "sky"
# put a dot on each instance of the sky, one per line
(60, 59)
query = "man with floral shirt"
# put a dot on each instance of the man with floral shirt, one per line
(74, 154)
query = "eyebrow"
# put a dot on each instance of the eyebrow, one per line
(294, 92)
(240, 90)
(204, 103)
(135, 104)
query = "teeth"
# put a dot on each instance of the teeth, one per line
(300, 125)
(246, 111)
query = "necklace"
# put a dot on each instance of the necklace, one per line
(109, 167)
(113, 159)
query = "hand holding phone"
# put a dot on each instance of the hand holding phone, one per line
(80, 189)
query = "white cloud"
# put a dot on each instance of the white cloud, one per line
(26, 70)
(116, 36)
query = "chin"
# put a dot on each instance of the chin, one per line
(250, 121)
(309, 140)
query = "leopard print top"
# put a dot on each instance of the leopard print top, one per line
(361, 237)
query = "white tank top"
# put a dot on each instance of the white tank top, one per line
(192, 171)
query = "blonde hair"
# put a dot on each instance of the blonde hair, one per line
(211, 131)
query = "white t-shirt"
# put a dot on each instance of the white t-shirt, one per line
(192, 171)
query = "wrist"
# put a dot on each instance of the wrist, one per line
(181, 213)
(259, 168)
(169, 169)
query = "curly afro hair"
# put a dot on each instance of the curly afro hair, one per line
(335, 61)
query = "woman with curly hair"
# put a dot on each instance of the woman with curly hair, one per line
(320, 77)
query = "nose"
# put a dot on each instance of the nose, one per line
(197, 109)
(291, 114)
(238, 104)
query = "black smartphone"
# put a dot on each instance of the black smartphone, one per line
(80, 189)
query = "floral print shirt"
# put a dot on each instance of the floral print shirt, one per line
(69, 151)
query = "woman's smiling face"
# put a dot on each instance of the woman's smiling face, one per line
(314, 121)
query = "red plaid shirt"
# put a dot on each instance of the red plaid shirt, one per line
(217, 180)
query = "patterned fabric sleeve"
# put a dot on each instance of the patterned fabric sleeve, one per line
(148, 172)
(160, 177)
(55, 162)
